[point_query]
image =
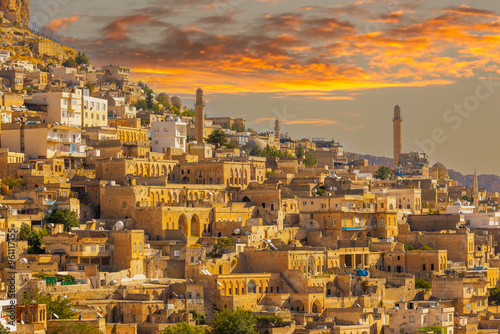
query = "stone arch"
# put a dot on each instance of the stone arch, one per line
(311, 265)
(251, 287)
(183, 224)
(316, 307)
(246, 199)
(195, 225)
(297, 306)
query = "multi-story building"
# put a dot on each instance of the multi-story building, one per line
(14, 75)
(95, 111)
(45, 141)
(412, 317)
(61, 107)
(170, 133)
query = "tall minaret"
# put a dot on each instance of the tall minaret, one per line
(199, 120)
(398, 139)
(475, 190)
(277, 129)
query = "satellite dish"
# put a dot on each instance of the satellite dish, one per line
(119, 225)
(51, 225)
(23, 260)
(237, 231)
(101, 228)
(49, 211)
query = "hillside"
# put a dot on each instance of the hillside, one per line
(26, 45)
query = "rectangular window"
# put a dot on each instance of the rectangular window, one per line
(177, 252)
(93, 248)
(412, 319)
(101, 248)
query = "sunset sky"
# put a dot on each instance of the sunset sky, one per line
(330, 69)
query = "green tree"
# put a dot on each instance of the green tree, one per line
(237, 322)
(24, 232)
(300, 152)
(149, 100)
(66, 217)
(467, 198)
(383, 173)
(4, 330)
(422, 283)
(495, 295)
(114, 330)
(60, 306)
(70, 62)
(310, 161)
(76, 328)
(183, 328)
(217, 138)
(256, 152)
(34, 238)
(232, 145)
(426, 248)
(198, 317)
(12, 181)
(82, 59)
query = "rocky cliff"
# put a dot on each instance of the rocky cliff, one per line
(16, 11)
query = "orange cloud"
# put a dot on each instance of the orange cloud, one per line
(61, 23)
(309, 54)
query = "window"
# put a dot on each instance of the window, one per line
(124, 204)
(304, 203)
(106, 247)
(468, 307)
(177, 252)
(432, 266)
(412, 319)
(81, 267)
(135, 247)
(101, 248)
(93, 248)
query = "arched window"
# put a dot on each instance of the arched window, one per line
(135, 247)
(252, 287)
(140, 247)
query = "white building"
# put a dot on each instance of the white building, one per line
(62, 107)
(170, 133)
(95, 111)
(4, 56)
(482, 220)
(460, 208)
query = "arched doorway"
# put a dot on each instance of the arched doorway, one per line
(297, 306)
(316, 307)
(195, 226)
(251, 287)
(311, 265)
(183, 224)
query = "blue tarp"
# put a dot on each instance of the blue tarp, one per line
(361, 272)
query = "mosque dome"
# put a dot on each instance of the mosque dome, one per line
(255, 142)
(164, 96)
(439, 172)
(176, 102)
